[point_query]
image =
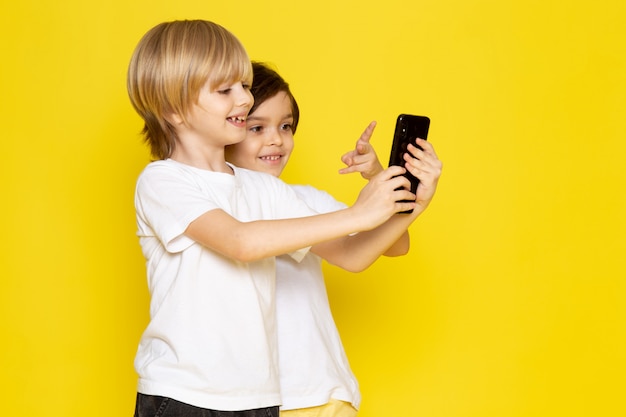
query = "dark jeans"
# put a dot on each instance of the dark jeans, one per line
(154, 406)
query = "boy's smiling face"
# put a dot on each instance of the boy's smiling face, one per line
(269, 138)
(218, 118)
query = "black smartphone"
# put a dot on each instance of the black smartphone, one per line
(408, 128)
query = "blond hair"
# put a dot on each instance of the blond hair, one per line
(169, 67)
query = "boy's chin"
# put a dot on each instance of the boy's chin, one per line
(274, 171)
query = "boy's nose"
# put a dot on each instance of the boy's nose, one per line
(244, 97)
(274, 138)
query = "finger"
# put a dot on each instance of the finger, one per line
(361, 148)
(349, 169)
(415, 153)
(367, 133)
(402, 207)
(392, 171)
(412, 158)
(416, 166)
(426, 146)
(399, 182)
(404, 195)
(425, 160)
(347, 158)
(425, 173)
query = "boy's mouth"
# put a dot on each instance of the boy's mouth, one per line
(238, 120)
(270, 158)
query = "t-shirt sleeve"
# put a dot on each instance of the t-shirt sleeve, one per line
(166, 203)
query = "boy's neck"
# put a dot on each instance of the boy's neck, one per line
(210, 161)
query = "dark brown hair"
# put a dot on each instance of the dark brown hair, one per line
(267, 83)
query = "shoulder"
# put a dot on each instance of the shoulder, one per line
(272, 193)
(319, 200)
(259, 179)
(159, 170)
(254, 175)
(170, 172)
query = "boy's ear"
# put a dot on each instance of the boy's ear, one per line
(174, 119)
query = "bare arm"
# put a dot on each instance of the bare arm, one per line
(250, 241)
(356, 253)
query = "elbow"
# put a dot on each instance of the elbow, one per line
(249, 256)
(354, 269)
(362, 266)
(244, 253)
(358, 268)
(400, 248)
(403, 252)
(244, 258)
(395, 252)
(354, 265)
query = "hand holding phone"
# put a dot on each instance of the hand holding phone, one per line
(408, 128)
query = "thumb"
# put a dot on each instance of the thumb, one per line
(362, 147)
(347, 158)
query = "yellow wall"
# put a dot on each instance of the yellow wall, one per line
(512, 301)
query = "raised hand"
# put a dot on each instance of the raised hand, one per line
(363, 157)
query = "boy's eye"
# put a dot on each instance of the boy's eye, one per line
(227, 89)
(255, 129)
(286, 126)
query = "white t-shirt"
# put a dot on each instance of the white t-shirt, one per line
(211, 340)
(312, 362)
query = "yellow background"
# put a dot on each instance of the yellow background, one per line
(512, 301)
